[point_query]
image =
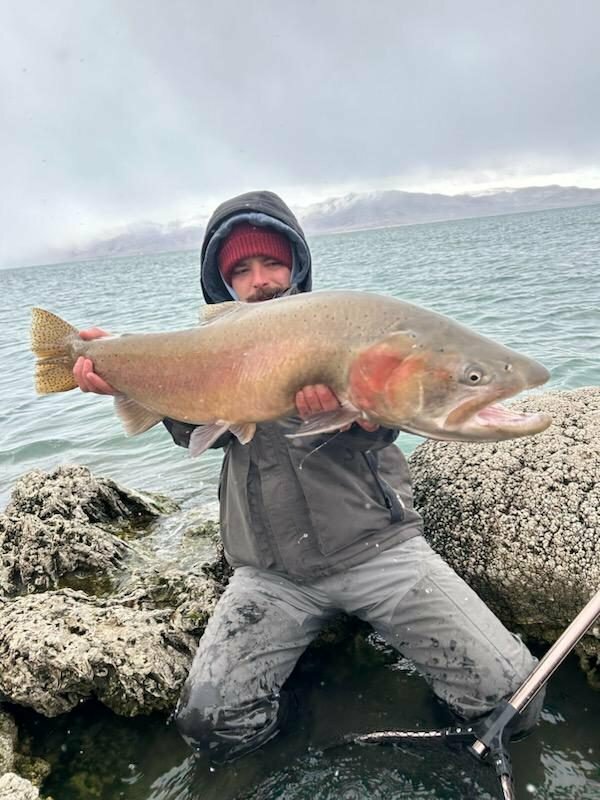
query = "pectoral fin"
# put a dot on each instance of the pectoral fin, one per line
(327, 421)
(135, 417)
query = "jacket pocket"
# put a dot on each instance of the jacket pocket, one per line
(345, 501)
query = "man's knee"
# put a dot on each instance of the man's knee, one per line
(196, 715)
(501, 685)
(224, 731)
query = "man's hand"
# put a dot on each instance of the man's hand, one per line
(318, 398)
(83, 369)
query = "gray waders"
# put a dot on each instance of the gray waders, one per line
(232, 703)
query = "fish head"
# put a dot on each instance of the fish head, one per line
(448, 391)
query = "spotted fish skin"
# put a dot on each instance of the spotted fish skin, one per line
(388, 361)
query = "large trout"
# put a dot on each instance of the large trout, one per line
(388, 361)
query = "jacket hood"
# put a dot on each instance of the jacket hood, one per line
(261, 209)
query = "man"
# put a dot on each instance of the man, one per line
(311, 532)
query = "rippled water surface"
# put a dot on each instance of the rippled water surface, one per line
(530, 280)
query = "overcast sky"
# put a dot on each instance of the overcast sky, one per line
(116, 111)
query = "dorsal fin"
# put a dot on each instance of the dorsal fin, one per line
(209, 313)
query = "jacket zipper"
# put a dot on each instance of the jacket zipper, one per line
(391, 500)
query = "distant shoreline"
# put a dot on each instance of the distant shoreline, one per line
(358, 229)
(309, 232)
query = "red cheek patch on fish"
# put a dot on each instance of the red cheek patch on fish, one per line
(371, 372)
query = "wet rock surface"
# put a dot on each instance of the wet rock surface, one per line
(19, 775)
(52, 527)
(73, 491)
(14, 787)
(520, 520)
(62, 647)
(59, 646)
(8, 740)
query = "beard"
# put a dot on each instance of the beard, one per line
(269, 293)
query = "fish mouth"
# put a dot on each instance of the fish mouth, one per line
(510, 421)
(477, 419)
(497, 414)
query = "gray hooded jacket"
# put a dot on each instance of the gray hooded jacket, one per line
(283, 506)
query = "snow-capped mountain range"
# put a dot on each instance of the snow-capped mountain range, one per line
(354, 211)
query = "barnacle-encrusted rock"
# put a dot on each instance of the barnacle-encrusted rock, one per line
(132, 651)
(73, 491)
(13, 787)
(36, 553)
(51, 527)
(190, 596)
(19, 774)
(8, 740)
(62, 647)
(520, 520)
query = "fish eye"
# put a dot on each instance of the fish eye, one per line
(475, 375)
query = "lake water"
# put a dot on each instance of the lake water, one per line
(529, 280)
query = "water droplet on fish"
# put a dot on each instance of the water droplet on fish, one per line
(427, 591)
(531, 788)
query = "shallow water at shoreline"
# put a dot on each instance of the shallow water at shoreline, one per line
(353, 689)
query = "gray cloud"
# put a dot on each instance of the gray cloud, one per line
(117, 111)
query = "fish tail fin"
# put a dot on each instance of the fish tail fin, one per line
(50, 342)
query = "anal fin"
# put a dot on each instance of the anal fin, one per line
(135, 417)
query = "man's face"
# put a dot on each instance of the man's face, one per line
(259, 278)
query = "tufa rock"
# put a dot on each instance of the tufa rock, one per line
(13, 787)
(132, 651)
(520, 520)
(51, 527)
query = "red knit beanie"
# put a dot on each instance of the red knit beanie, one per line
(247, 240)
